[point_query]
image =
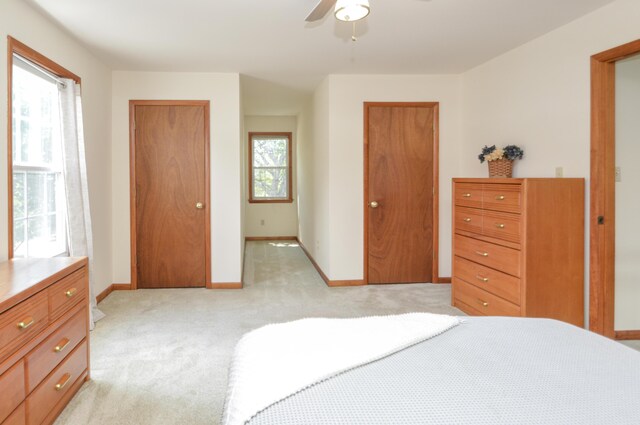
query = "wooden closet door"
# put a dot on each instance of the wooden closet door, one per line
(170, 184)
(400, 194)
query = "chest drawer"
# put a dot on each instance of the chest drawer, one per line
(468, 219)
(50, 352)
(468, 195)
(18, 417)
(493, 281)
(67, 292)
(491, 255)
(12, 391)
(55, 387)
(501, 225)
(502, 197)
(482, 301)
(20, 323)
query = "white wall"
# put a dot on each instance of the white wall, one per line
(347, 95)
(538, 96)
(23, 23)
(627, 289)
(280, 219)
(313, 175)
(223, 92)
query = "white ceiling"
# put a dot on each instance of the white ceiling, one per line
(269, 41)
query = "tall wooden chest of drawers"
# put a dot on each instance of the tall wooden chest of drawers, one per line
(518, 247)
(44, 337)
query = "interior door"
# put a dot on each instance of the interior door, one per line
(170, 192)
(400, 193)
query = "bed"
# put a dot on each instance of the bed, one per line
(472, 370)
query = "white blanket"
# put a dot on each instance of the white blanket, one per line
(276, 361)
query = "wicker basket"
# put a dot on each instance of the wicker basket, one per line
(500, 168)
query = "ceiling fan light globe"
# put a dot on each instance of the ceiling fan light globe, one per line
(351, 10)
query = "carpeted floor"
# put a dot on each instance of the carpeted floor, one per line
(161, 356)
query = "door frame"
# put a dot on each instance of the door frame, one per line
(602, 190)
(436, 178)
(132, 181)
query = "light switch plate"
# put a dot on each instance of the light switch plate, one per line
(559, 172)
(618, 174)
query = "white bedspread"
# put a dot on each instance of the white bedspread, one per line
(319, 349)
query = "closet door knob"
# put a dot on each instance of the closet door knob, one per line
(373, 204)
(199, 205)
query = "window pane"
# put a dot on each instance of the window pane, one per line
(35, 193)
(19, 189)
(270, 152)
(270, 183)
(35, 229)
(51, 192)
(53, 235)
(19, 247)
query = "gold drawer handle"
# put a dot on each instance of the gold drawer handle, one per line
(71, 292)
(500, 198)
(500, 225)
(26, 323)
(483, 254)
(63, 382)
(467, 220)
(483, 303)
(61, 345)
(466, 195)
(482, 278)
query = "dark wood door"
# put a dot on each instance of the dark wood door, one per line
(400, 193)
(170, 189)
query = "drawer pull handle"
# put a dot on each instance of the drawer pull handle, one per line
(483, 254)
(500, 225)
(63, 382)
(482, 278)
(61, 345)
(466, 195)
(500, 198)
(26, 323)
(467, 219)
(483, 303)
(71, 292)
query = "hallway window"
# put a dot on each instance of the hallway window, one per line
(270, 167)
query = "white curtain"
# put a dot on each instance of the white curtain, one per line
(75, 179)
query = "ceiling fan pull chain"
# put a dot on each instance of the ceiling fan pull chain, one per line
(353, 34)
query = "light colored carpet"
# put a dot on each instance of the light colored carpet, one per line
(161, 356)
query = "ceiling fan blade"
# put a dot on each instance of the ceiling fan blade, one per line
(320, 10)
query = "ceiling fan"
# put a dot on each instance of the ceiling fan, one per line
(345, 10)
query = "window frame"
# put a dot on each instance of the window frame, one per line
(289, 198)
(16, 47)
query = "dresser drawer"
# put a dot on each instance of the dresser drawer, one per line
(12, 391)
(50, 352)
(482, 301)
(491, 255)
(502, 197)
(501, 225)
(468, 219)
(67, 292)
(18, 417)
(22, 322)
(55, 387)
(468, 195)
(498, 283)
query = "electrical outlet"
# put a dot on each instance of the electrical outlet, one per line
(618, 174)
(559, 172)
(262, 222)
